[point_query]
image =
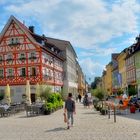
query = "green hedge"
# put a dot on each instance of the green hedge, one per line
(54, 101)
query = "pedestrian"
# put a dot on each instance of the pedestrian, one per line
(70, 110)
(86, 101)
(79, 97)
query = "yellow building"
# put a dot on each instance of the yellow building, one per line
(122, 68)
(104, 84)
(108, 81)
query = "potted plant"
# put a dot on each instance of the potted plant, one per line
(103, 111)
(48, 108)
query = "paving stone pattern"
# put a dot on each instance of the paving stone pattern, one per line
(89, 125)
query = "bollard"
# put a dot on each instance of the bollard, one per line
(114, 113)
(108, 112)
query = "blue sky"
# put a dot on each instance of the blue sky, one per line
(95, 28)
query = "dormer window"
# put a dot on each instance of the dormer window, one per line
(43, 42)
(52, 49)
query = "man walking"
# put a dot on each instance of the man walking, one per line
(70, 109)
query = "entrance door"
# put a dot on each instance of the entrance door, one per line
(33, 97)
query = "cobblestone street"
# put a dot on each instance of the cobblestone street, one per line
(89, 125)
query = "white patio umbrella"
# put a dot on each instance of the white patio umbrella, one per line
(28, 92)
(7, 94)
(37, 91)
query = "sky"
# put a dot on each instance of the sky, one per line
(95, 28)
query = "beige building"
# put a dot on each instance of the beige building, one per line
(70, 65)
(81, 80)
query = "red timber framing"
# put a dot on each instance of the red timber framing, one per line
(21, 58)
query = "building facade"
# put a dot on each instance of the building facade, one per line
(122, 69)
(70, 66)
(109, 78)
(81, 80)
(27, 56)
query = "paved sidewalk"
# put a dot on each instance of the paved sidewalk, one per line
(89, 125)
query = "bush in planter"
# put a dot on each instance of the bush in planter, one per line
(132, 90)
(103, 111)
(48, 107)
(61, 103)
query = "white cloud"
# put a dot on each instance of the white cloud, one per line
(93, 23)
(91, 67)
(97, 52)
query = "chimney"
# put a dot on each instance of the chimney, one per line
(31, 28)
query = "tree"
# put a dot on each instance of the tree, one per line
(132, 90)
(95, 82)
(99, 94)
(45, 91)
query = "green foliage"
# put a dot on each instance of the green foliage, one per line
(58, 96)
(52, 98)
(48, 106)
(98, 93)
(132, 91)
(95, 82)
(120, 92)
(55, 99)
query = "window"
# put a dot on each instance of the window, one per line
(10, 57)
(23, 72)
(14, 41)
(32, 55)
(0, 58)
(1, 72)
(10, 72)
(33, 71)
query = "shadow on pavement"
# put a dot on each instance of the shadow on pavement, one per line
(135, 116)
(56, 129)
(88, 113)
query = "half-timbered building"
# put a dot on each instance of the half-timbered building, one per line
(24, 56)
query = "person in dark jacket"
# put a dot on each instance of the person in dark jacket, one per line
(70, 110)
